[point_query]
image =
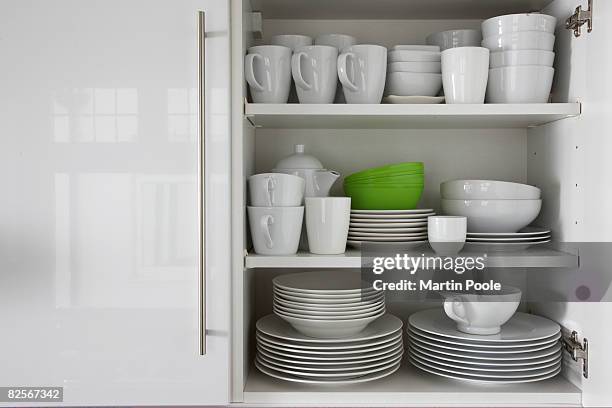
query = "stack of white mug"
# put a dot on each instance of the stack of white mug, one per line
(316, 69)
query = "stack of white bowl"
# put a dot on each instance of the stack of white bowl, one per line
(521, 57)
(414, 70)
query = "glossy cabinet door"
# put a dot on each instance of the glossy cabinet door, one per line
(100, 225)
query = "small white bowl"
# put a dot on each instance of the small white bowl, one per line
(434, 48)
(413, 55)
(455, 38)
(510, 23)
(521, 40)
(521, 57)
(520, 84)
(494, 215)
(488, 190)
(431, 67)
(413, 84)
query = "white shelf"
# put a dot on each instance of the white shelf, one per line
(530, 258)
(386, 116)
(410, 386)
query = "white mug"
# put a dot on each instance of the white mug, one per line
(362, 70)
(327, 224)
(276, 230)
(446, 234)
(276, 190)
(314, 72)
(482, 313)
(293, 41)
(267, 69)
(465, 72)
(340, 41)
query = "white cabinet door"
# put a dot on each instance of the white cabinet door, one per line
(99, 221)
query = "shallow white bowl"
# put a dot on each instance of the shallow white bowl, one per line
(521, 57)
(413, 84)
(520, 84)
(329, 329)
(415, 66)
(518, 22)
(413, 55)
(521, 40)
(494, 215)
(455, 38)
(487, 190)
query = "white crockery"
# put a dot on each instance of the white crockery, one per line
(329, 301)
(521, 57)
(482, 313)
(297, 312)
(415, 66)
(465, 71)
(434, 48)
(351, 316)
(521, 40)
(276, 230)
(330, 329)
(520, 84)
(340, 41)
(494, 215)
(511, 23)
(362, 72)
(446, 234)
(314, 71)
(276, 190)
(267, 69)
(327, 224)
(413, 84)
(423, 100)
(339, 282)
(348, 307)
(414, 56)
(487, 190)
(293, 41)
(455, 38)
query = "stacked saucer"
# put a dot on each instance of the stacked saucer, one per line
(405, 227)
(327, 304)
(284, 353)
(527, 349)
(507, 242)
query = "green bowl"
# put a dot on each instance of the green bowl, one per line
(411, 179)
(384, 176)
(387, 197)
(390, 169)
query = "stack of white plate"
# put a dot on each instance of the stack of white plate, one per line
(327, 304)
(527, 349)
(507, 242)
(284, 353)
(405, 227)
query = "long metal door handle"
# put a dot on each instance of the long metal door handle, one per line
(202, 173)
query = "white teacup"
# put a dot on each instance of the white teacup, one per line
(482, 313)
(276, 190)
(267, 69)
(362, 70)
(293, 41)
(276, 230)
(465, 72)
(446, 234)
(314, 72)
(327, 224)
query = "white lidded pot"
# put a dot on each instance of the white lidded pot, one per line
(318, 179)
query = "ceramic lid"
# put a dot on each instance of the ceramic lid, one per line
(299, 160)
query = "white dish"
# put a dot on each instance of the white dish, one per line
(333, 317)
(340, 307)
(526, 232)
(326, 361)
(357, 235)
(386, 224)
(393, 217)
(521, 327)
(389, 230)
(521, 57)
(520, 84)
(356, 296)
(478, 343)
(397, 244)
(413, 55)
(455, 38)
(389, 212)
(494, 215)
(333, 359)
(510, 23)
(385, 238)
(487, 190)
(424, 100)
(414, 66)
(465, 71)
(520, 40)
(477, 350)
(323, 282)
(333, 313)
(500, 247)
(400, 47)
(389, 340)
(336, 352)
(331, 301)
(413, 84)
(500, 240)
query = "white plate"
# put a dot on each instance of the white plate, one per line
(337, 368)
(478, 350)
(387, 230)
(384, 224)
(424, 100)
(525, 232)
(274, 326)
(333, 307)
(358, 295)
(401, 217)
(383, 220)
(411, 47)
(357, 301)
(336, 353)
(335, 346)
(500, 247)
(520, 327)
(332, 359)
(390, 212)
(290, 358)
(365, 378)
(397, 244)
(476, 343)
(323, 282)
(384, 238)
(360, 315)
(524, 240)
(334, 313)
(385, 235)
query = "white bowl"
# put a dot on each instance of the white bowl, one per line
(333, 316)
(494, 215)
(413, 55)
(487, 190)
(520, 84)
(521, 57)
(510, 23)
(521, 40)
(329, 329)
(455, 38)
(415, 66)
(413, 84)
(411, 47)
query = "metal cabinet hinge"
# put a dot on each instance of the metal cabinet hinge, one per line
(578, 351)
(579, 18)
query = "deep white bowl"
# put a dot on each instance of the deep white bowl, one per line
(494, 215)
(455, 38)
(488, 190)
(510, 23)
(413, 84)
(520, 84)
(521, 40)
(413, 55)
(415, 66)
(521, 57)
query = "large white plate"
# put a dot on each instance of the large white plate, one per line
(335, 359)
(388, 230)
(426, 100)
(361, 315)
(397, 244)
(387, 212)
(365, 378)
(381, 224)
(328, 307)
(503, 240)
(525, 232)
(386, 235)
(476, 343)
(500, 247)
(349, 368)
(339, 353)
(520, 327)
(328, 313)
(391, 239)
(335, 346)
(357, 301)
(274, 326)
(359, 295)
(340, 282)
(483, 379)
(387, 217)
